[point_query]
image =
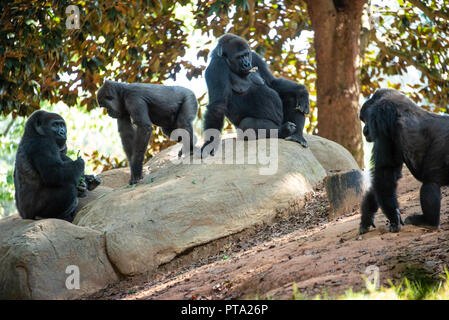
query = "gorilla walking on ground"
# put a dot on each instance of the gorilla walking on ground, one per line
(144, 104)
(403, 132)
(242, 88)
(47, 182)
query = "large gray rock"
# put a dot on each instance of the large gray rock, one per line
(34, 256)
(177, 206)
(332, 156)
(180, 206)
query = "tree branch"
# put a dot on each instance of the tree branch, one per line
(431, 73)
(432, 14)
(251, 4)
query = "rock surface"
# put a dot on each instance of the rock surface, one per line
(177, 206)
(344, 191)
(34, 256)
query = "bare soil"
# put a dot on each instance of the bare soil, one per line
(307, 249)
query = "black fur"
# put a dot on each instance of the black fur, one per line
(46, 180)
(404, 133)
(252, 100)
(144, 104)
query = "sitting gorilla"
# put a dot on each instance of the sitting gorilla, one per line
(144, 104)
(242, 88)
(404, 133)
(47, 182)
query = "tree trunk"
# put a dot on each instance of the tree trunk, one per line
(336, 24)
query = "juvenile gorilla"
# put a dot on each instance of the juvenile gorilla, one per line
(403, 132)
(144, 104)
(242, 88)
(47, 182)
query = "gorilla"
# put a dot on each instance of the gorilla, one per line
(47, 182)
(404, 133)
(242, 88)
(144, 104)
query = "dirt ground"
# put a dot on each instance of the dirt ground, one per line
(307, 249)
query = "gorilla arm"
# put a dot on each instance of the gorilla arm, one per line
(219, 88)
(284, 87)
(295, 99)
(54, 171)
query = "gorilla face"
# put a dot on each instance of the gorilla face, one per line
(366, 134)
(50, 125)
(365, 116)
(238, 54)
(59, 131)
(107, 97)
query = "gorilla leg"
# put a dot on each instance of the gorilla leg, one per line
(298, 118)
(140, 144)
(385, 183)
(135, 142)
(127, 133)
(369, 209)
(60, 203)
(254, 123)
(186, 115)
(430, 197)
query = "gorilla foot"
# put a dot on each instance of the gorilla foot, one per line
(135, 180)
(395, 228)
(92, 181)
(287, 129)
(299, 139)
(364, 229)
(419, 220)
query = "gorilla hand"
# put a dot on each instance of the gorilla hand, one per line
(299, 139)
(82, 188)
(302, 100)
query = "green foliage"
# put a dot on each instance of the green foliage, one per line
(419, 285)
(128, 41)
(10, 132)
(410, 34)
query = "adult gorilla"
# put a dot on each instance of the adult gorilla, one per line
(242, 88)
(403, 132)
(47, 182)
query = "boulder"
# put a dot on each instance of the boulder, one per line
(332, 156)
(34, 256)
(115, 178)
(178, 206)
(344, 191)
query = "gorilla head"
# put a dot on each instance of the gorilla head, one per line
(108, 97)
(48, 125)
(237, 53)
(379, 118)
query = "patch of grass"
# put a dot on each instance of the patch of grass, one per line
(417, 284)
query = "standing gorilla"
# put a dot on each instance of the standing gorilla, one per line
(170, 107)
(403, 132)
(47, 182)
(242, 88)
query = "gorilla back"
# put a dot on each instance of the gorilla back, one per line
(45, 179)
(404, 133)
